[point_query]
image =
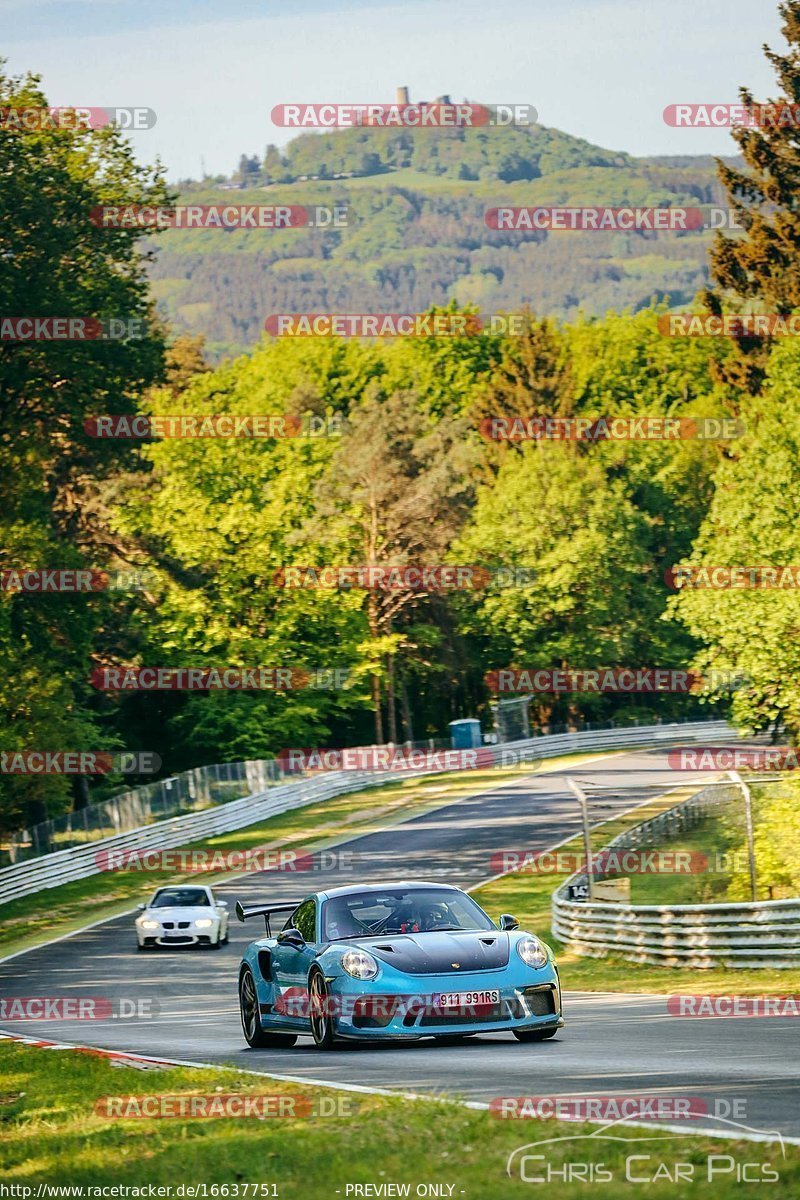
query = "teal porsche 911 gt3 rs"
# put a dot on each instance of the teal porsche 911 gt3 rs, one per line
(394, 960)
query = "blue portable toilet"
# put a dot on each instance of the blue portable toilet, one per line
(466, 734)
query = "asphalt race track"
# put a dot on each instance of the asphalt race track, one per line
(612, 1044)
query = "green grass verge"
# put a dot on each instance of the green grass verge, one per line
(50, 1133)
(528, 896)
(712, 839)
(61, 910)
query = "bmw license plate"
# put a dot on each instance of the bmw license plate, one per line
(467, 999)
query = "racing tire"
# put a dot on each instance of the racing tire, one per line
(254, 1034)
(319, 1017)
(534, 1035)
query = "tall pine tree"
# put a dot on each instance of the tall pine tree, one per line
(763, 263)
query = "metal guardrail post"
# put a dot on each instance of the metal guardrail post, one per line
(750, 934)
(748, 817)
(587, 837)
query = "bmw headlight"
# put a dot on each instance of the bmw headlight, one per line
(359, 964)
(204, 922)
(145, 924)
(532, 952)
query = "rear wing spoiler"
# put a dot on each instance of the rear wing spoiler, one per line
(264, 910)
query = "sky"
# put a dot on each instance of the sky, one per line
(212, 70)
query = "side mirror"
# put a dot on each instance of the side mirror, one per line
(292, 937)
(141, 907)
(508, 922)
(222, 904)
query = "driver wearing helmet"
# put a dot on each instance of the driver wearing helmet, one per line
(433, 916)
(339, 921)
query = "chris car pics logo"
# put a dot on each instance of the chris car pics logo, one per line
(611, 1154)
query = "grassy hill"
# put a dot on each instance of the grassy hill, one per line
(417, 234)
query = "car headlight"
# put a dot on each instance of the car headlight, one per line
(204, 923)
(532, 952)
(145, 924)
(359, 964)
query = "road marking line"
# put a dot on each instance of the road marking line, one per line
(573, 836)
(364, 1089)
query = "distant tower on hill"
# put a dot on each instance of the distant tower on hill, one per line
(402, 96)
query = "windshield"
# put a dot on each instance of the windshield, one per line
(180, 898)
(401, 910)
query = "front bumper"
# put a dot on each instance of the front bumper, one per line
(177, 939)
(186, 936)
(384, 1012)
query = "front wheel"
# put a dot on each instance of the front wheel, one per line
(319, 1012)
(254, 1035)
(534, 1035)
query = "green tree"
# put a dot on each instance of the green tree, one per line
(754, 520)
(777, 846)
(399, 488)
(593, 600)
(219, 519)
(55, 262)
(764, 263)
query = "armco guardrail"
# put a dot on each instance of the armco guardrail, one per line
(65, 866)
(752, 935)
(191, 791)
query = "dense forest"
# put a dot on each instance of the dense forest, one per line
(389, 463)
(417, 235)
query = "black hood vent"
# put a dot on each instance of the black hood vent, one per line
(442, 953)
